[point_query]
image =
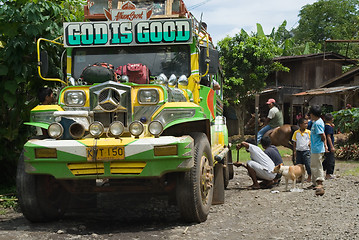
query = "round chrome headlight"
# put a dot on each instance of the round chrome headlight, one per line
(55, 130)
(136, 128)
(116, 128)
(155, 128)
(96, 129)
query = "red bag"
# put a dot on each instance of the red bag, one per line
(136, 72)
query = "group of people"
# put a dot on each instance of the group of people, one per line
(313, 147)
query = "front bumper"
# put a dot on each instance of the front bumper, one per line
(74, 159)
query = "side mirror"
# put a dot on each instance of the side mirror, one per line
(44, 63)
(212, 60)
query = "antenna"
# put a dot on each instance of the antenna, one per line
(197, 5)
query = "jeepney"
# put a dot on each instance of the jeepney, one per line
(164, 133)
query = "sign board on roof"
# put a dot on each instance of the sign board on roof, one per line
(87, 34)
(128, 12)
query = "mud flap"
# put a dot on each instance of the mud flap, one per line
(218, 191)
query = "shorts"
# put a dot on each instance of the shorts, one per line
(261, 172)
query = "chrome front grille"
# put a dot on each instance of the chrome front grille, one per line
(111, 98)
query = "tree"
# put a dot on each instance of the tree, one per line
(247, 61)
(21, 23)
(286, 40)
(328, 19)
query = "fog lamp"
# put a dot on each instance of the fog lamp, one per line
(96, 129)
(136, 128)
(55, 130)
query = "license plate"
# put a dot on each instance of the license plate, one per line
(105, 153)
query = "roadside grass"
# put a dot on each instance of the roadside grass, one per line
(7, 198)
(354, 171)
(244, 156)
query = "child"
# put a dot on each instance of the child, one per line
(46, 96)
(301, 144)
(329, 161)
(318, 146)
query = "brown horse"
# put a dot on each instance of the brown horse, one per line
(280, 136)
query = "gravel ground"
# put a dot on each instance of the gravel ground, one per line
(246, 214)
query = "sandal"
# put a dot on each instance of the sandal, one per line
(238, 164)
(319, 191)
(312, 187)
(253, 187)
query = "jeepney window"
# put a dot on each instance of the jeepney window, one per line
(98, 7)
(176, 6)
(159, 6)
(174, 59)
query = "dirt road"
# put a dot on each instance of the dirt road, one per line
(247, 214)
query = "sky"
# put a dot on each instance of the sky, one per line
(228, 17)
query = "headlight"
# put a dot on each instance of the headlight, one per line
(55, 130)
(116, 128)
(75, 98)
(47, 117)
(136, 128)
(148, 96)
(155, 128)
(96, 129)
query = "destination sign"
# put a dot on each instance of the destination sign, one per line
(86, 34)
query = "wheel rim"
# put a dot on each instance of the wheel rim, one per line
(206, 179)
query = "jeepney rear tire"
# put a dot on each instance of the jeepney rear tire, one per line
(41, 197)
(194, 190)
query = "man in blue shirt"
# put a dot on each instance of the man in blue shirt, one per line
(318, 148)
(274, 154)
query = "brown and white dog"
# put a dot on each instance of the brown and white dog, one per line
(291, 172)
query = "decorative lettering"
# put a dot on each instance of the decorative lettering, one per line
(128, 33)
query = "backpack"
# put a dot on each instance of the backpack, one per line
(98, 73)
(136, 72)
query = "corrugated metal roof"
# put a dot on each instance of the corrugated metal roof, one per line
(329, 55)
(323, 91)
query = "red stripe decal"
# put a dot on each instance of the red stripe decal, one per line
(210, 104)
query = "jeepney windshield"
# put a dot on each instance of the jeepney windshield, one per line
(173, 59)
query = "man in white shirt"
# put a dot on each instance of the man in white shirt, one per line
(260, 166)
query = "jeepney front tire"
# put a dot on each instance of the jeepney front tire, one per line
(194, 190)
(41, 197)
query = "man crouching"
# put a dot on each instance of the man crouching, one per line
(260, 166)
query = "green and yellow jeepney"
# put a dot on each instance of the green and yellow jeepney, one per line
(166, 136)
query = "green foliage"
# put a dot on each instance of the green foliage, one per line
(247, 61)
(328, 19)
(8, 202)
(346, 121)
(348, 152)
(21, 23)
